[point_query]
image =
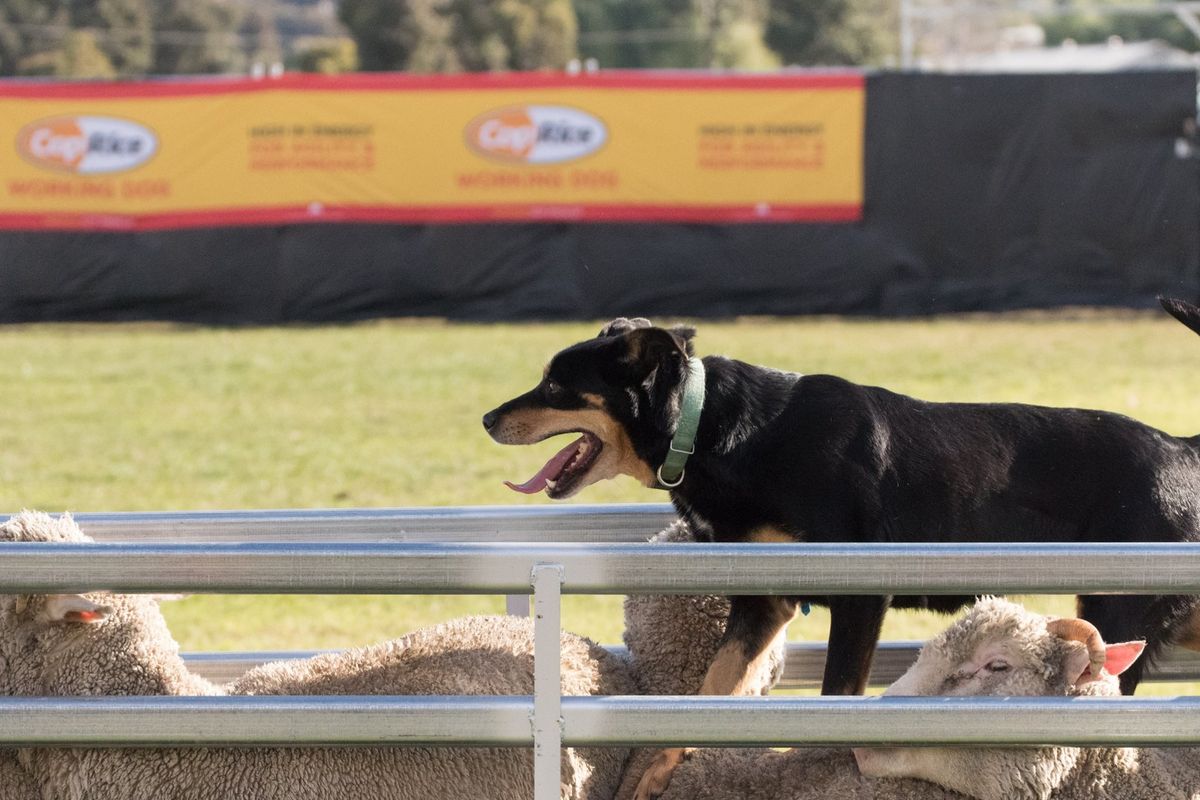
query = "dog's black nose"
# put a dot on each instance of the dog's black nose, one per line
(489, 420)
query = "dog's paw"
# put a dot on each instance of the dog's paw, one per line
(623, 325)
(657, 776)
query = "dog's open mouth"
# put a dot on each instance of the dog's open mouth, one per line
(562, 473)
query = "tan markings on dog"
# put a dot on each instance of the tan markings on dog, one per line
(1187, 633)
(615, 435)
(530, 425)
(657, 776)
(731, 673)
(732, 668)
(769, 534)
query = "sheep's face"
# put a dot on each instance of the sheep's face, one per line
(44, 638)
(998, 649)
(36, 632)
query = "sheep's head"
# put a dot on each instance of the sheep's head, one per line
(672, 639)
(1000, 649)
(72, 643)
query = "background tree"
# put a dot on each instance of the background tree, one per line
(260, 38)
(81, 57)
(29, 34)
(138, 37)
(329, 56)
(736, 34)
(461, 35)
(121, 29)
(832, 32)
(636, 34)
(675, 33)
(733, 34)
(402, 34)
(490, 35)
(195, 37)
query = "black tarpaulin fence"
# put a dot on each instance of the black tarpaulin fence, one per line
(982, 192)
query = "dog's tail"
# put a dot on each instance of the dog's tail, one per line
(1183, 311)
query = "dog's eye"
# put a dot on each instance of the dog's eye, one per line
(998, 665)
(553, 387)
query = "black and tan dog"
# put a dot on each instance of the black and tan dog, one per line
(781, 457)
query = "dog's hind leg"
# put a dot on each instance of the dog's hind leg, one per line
(754, 624)
(854, 624)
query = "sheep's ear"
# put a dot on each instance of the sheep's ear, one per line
(1120, 657)
(74, 608)
(1117, 658)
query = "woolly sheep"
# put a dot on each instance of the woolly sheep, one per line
(672, 640)
(798, 774)
(120, 645)
(677, 665)
(128, 650)
(15, 783)
(998, 649)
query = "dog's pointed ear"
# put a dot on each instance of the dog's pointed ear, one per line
(622, 325)
(685, 334)
(647, 350)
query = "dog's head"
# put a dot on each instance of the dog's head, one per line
(620, 391)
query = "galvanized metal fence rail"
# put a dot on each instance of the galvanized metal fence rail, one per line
(426, 551)
(804, 668)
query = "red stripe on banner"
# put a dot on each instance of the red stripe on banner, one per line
(241, 217)
(369, 82)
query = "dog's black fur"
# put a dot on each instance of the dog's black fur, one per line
(820, 459)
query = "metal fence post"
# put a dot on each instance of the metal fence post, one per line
(547, 681)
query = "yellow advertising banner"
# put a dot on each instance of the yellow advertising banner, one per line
(399, 148)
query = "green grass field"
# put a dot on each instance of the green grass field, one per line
(149, 417)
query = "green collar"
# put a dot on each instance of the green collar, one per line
(683, 443)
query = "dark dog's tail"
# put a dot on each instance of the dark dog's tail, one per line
(1183, 311)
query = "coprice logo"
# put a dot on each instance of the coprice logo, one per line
(86, 145)
(536, 134)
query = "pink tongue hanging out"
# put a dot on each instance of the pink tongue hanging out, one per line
(553, 469)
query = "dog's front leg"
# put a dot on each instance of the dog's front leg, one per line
(754, 623)
(854, 623)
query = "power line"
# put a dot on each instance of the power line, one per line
(642, 35)
(166, 35)
(177, 36)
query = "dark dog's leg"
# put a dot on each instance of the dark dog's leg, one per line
(854, 623)
(1159, 620)
(754, 623)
